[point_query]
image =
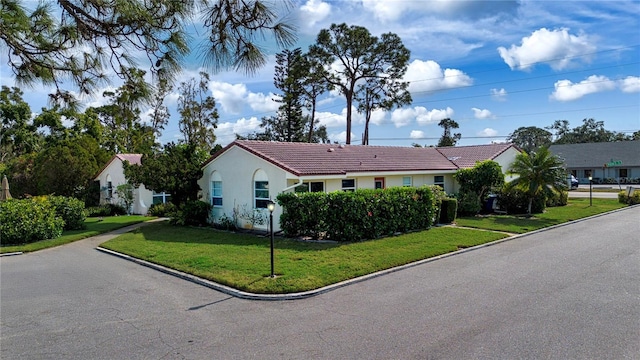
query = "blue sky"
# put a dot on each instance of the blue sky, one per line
(492, 66)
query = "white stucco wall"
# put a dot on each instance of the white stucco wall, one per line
(114, 171)
(505, 160)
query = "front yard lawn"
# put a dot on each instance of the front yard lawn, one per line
(242, 261)
(94, 226)
(575, 209)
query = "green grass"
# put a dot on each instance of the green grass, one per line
(575, 209)
(242, 261)
(94, 226)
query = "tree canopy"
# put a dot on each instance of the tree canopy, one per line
(448, 139)
(362, 61)
(82, 40)
(530, 138)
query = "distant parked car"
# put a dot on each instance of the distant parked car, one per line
(574, 182)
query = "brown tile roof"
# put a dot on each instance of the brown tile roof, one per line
(332, 159)
(467, 156)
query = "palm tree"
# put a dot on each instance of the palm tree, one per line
(540, 172)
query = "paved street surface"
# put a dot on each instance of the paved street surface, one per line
(568, 293)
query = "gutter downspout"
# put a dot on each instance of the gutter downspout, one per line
(293, 186)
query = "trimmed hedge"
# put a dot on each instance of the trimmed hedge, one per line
(105, 210)
(192, 213)
(355, 216)
(162, 210)
(448, 210)
(631, 200)
(28, 220)
(71, 210)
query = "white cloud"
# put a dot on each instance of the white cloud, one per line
(314, 11)
(416, 134)
(330, 119)
(392, 10)
(378, 117)
(630, 84)
(341, 137)
(557, 47)
(565, 90)
(422, 116)
(488, 132)
(482, 113)
(226, 132)
(233, 98)
(499, 95)
(425, 76)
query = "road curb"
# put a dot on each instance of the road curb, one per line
(307, 294)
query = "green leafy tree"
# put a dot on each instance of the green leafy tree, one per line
(67, 167)
(447, 138)
(125, 194)
(530, 138)
(18, 135)
(81, 39)
(174, 170)
(123, 129)
(361, 58)
(538, 172)
(380, 93)
(198, 113)
(591, 131)
(313, 86)
(477, 182)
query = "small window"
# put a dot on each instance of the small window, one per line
(161, 197)
(438, 180)
(587, 173)
(623, 173)
(216, 193)
(378, 183)
(349, 185)
(316, 186)
(407, 181)
(261, 191)
(574, 173)
(109, 189)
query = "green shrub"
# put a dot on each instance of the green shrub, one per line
(28, 220)
(192, 213)
(448, 210)
(631, 200)
(71, 210)
(557, 199)
(359, 215)
(515, 201)
(468, 203)
(105, 210)
(162, 210)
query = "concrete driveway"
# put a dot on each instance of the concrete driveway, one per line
(568, 293)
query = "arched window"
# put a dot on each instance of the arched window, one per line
(216, 189)
(260, 189)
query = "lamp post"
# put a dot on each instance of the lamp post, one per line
(271, 206)
(590, 186)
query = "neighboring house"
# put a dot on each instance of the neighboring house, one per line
(247, 174)
(605, 162)
(112, 175)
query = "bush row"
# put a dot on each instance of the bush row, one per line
(39, 218)
(105, 210)
(516, 201)
(631, 200)
(354, 216)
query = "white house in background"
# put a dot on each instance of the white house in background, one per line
(247, 174)
(112, 175)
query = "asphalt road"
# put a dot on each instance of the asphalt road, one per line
(568, 293)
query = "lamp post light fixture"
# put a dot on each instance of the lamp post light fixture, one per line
(271, 206)
(590, 191)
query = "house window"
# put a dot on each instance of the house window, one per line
(316, 186)
(161, 197)
(587, 173)
(438, 180)
(109, 190)
(623, 173)
(406, 181)
(216, 193)
(261, 194)
(349, 185)
(378, 183)
(574, 173)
